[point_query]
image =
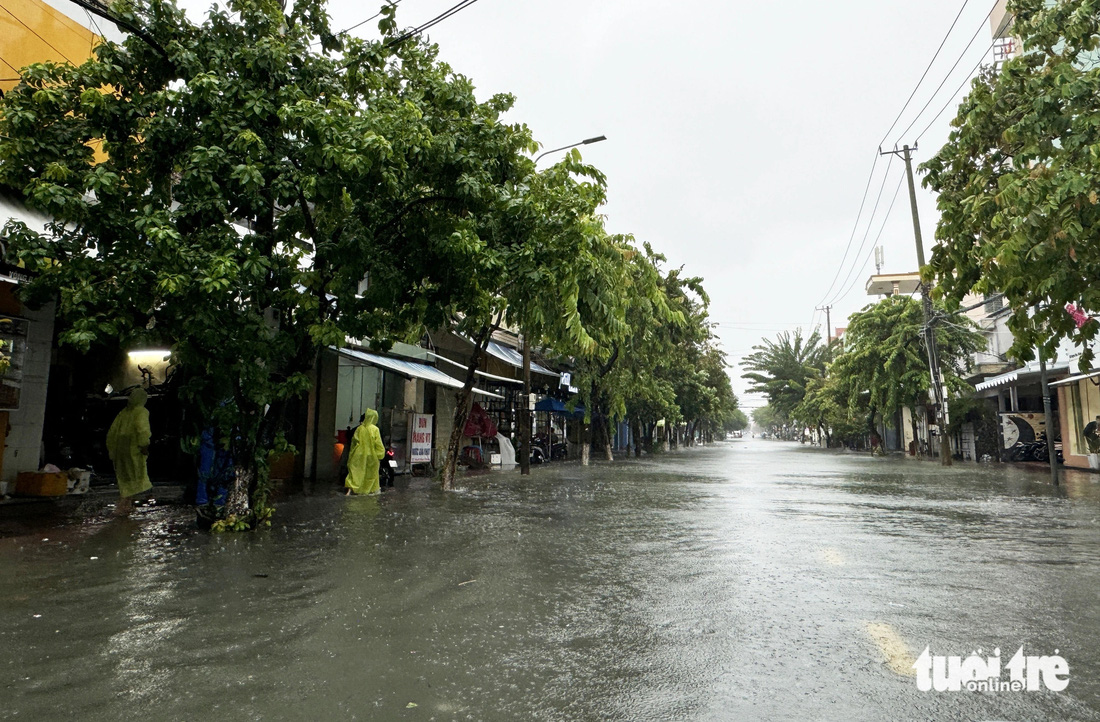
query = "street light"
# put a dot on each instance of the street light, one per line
(590, 141)
(525, 408)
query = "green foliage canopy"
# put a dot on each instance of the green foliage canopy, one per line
(1018, 181)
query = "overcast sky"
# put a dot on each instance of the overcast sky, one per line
(740, 135)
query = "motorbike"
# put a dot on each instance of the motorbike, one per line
(387, 468)
(1033, 451)
(542, 450)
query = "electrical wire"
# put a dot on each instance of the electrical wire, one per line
(5, 62)
(870, 177)
(35, 33)
(867, 232)
(955, 95)
(360, 24)
(925, 73)
(855, 228)
(454, 10)
(949, 72)
(866, 260)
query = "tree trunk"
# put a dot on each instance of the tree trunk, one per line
(586, 444)
(917, 451)
(238, 501)
(462, 408)
(636, 432)
(454, 446)
(607, 439)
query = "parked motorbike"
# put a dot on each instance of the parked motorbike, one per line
(1033, 451)
(542, 450)
(387, 468)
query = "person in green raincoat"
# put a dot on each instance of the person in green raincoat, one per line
(367, 451)
(128, 446)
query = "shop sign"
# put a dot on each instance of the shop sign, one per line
(420, 447)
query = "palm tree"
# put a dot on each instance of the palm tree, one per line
(781, 369)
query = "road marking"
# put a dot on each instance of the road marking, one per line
(831, 556)
(899, 658)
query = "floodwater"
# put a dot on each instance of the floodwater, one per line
(747, 580)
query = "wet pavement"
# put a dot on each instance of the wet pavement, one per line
(748, 580)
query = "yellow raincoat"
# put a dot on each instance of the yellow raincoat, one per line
(367, 451)
(127, 437)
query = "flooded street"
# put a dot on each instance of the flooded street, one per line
(749, 580)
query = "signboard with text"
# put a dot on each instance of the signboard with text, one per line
(420, 440)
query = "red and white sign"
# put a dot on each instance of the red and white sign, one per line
(420, 440)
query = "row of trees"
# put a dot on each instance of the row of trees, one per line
(848, 389)
(265, 189)
(1018, 185)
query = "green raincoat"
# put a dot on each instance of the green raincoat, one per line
(367, 451)
(127, 437)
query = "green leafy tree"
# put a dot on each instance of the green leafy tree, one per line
(768, 420)
(260, 201)
(1018, 181)
(736, 421)
(829, 407)
(544, 266)
(884, 365)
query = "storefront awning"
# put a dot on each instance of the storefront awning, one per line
(514, 358)
(483, 374)
(410, 369)
(1079, 377)
(1027, 374)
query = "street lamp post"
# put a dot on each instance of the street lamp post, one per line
(589, 141)
(525, 405)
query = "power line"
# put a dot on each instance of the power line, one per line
(855, 228)
(360, 24)
(889, 210)
(949, 72)
(5, 62)
(454, 10)
(950, 100)
(35, 33)
(870, 224)
(892, 126)
(925, 73)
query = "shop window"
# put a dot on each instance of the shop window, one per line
(13, 353)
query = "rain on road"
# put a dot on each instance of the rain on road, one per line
(747, 580)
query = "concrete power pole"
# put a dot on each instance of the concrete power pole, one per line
(828, 322)
(939, 390)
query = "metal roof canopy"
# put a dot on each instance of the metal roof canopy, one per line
(410, 369)
(1031, 371)
(514, 358)
(1079, 377)
(479, 373)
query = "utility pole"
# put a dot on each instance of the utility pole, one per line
(525, 413)
(1052, 455)
(828, 322)
(940, 392)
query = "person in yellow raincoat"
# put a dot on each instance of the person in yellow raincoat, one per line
(128, 446)
(367, 451)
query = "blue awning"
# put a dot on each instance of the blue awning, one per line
(557, 407)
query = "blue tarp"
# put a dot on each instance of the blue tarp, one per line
(557, 407)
